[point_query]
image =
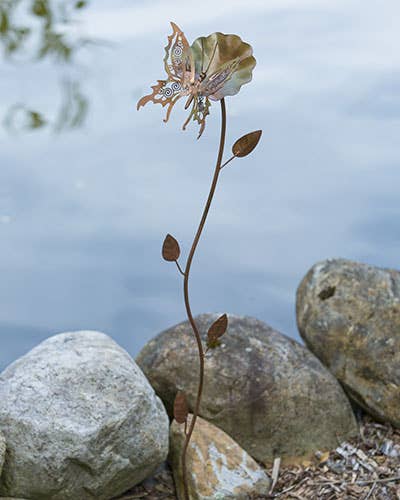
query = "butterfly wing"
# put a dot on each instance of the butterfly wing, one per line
(165, 92)
(177, 61)
(199, 112)
(214, 82)
(178, 56)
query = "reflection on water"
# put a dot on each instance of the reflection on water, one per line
(72, 112)
(35, 30)
(83, 214)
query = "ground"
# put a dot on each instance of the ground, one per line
(366, 468)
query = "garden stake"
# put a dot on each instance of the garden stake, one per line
(211, 68)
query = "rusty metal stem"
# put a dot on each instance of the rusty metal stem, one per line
(186, 294)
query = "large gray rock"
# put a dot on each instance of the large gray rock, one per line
(349, 315)
(2, 452)
(266, 391)
(80, 421)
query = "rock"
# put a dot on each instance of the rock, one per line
(80, 420)
(217, 467)
(2, 452)
(349, 315)
(269, 393)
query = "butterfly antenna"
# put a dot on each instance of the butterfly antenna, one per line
(192, 67)
(204, 73)
(212, 57)
(202, 56)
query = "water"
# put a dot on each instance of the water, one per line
(87, 197)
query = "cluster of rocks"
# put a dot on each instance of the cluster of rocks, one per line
(80, 419)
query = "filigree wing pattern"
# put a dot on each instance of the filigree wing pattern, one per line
(199, 112)
(165, 92)
(178, 56)
(211, 84)
(179, 65)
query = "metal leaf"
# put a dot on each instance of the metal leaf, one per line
(246, 143)
(181, 409)
(216, 330)
(170, 249)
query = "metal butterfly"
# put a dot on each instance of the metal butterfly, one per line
(187, 77)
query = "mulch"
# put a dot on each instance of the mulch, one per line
(366, 468)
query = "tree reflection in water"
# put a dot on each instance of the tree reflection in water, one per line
(42, 24)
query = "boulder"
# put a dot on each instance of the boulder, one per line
(2, 452)
(268, 392)
(217, 467)
(349, 316)
(80, 421)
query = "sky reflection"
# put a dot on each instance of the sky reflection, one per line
(83, 213)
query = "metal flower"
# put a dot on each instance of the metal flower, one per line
(212, 68)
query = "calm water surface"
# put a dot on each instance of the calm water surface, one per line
(89, 186)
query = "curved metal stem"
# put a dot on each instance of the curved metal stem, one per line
(186, 294)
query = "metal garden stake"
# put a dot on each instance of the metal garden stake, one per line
(212, 68)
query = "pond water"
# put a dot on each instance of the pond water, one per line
(89, 186)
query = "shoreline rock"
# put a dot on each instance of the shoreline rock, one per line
(348, 314)
(2, 452)
(265, 390)
(217, 467)
(80, 420)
